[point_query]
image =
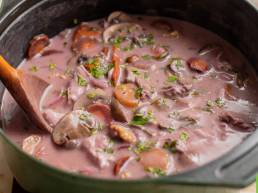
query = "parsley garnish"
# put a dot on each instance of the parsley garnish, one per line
(34, 69)
(136, 72)
(138, 92)
(172, 78)
(170, 146)
(117, 41)
(140, 119)
(146, 57)
(81, 81)
(52, 66)
(220, 102)
(143, 146)
(155, 171)
(184, 136)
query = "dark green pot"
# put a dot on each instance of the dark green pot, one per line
(234, 20)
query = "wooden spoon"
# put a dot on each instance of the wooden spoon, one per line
(27, 90)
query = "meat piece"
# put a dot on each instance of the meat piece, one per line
(237, 122)
(198, 65)
(94, 146)
(119, 112)
(52, 117)
(37, 44)
(123, 132)
(177, 90)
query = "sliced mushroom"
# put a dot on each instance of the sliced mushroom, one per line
(160, 52)
(123, 132)
(37, 44)
(31, 144)
(102, 111)
(198, 65)
(75, 125)
(91, 96)
(117, 28)
(119, 112)
(118, 17)
(155, 158)
(119, 164)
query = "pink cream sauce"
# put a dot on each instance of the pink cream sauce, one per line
(195, 119)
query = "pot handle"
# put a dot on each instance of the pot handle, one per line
(238, 168)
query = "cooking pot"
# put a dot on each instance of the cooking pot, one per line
(234, 20)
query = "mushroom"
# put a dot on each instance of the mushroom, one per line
(31, 144)
(123, 132)
(37, 44)
(118, 28)
(118, 17)
(119, 112)
(198, 65)
(75, 125)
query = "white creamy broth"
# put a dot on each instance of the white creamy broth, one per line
(135, 96)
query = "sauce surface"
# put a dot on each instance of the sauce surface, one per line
(135, 96)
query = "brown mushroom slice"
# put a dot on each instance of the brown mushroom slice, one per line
(31, 144)
(119, 164)
(155, 158)
(198, 65)
(114, 29)
(118, 17)
(119, 112)
(102, 111)
(91, 96)
(37, 44)
(85, 31)
(75, 125)
(123, 132)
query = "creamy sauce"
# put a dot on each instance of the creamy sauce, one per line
(194, 114)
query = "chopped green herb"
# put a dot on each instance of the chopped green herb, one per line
(143, 146)
(147, 39)
(220, 102)
(138, 92)
(75, 21)
(136, 72)
(108, 150)
(172, 78)
(177, 62)
(117, 41)
(64, 93)
(81, 81)
(171, 129)
(170, 146)
(83, 117)
(140, 119)
(146, 75)
(91, 95)
(147, 57)
(195, 93)
(155, 171)
(34, 69)
(184, 136)
(52, 66)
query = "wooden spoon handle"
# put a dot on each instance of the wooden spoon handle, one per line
(8, 75)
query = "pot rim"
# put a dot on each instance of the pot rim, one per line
(177, 179)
